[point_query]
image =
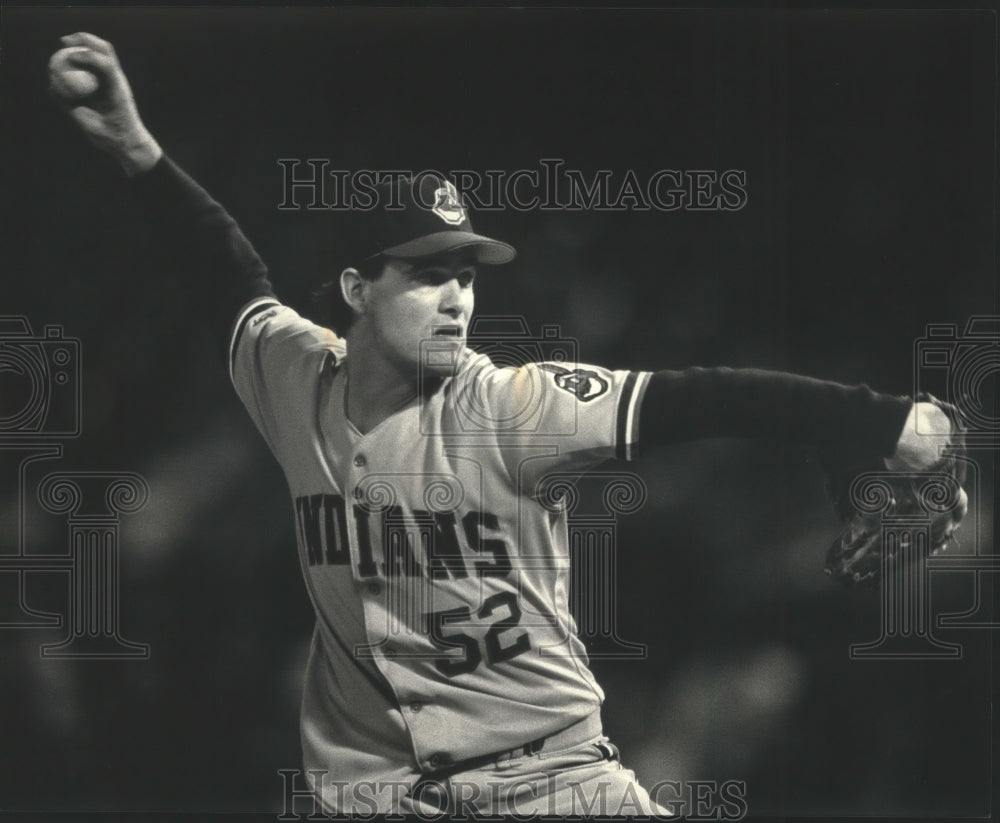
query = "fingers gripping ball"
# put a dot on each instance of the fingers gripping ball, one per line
(67, 80)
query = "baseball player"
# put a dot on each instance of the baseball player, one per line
(445, 673)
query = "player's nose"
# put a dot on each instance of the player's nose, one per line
(452, 299)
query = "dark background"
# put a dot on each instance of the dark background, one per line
(868, 142)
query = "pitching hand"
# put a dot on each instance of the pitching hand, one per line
(86, 79)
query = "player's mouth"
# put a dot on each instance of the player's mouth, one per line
(447, 331)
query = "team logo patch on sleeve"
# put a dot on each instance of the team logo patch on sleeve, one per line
(584, 383)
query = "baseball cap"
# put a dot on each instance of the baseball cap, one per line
(422, 216)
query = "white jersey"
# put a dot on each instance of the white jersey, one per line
(436, 563)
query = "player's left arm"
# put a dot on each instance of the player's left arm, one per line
(583, 414)
(721, 402)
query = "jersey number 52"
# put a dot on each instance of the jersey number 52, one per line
(497, 648)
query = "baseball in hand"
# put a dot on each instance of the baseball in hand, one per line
(68, 81)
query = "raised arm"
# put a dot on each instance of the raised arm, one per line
(88, 82)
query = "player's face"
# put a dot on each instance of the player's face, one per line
(424, 300)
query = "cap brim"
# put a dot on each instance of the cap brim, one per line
(488, 250)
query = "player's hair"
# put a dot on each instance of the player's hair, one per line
(333, 312)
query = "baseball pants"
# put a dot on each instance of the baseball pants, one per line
(565, 776)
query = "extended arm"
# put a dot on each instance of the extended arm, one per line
(843, 421)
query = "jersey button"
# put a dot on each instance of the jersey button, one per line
(359, 460)
(435, 760)
(374, 589)
(416, 706)
(358, 493)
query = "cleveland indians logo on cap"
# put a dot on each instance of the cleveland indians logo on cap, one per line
(447, 206)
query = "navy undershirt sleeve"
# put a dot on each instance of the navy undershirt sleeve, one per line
(722, 402)
(212, 247)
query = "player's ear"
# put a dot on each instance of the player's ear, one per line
(353, 289)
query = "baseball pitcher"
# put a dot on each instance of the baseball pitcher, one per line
(445, 672)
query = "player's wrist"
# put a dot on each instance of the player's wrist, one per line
(139, 153)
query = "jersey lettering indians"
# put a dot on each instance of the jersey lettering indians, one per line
(437, 566)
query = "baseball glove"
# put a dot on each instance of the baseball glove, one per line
(865, 494)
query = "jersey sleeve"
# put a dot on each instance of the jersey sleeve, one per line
(554, 416)
(276, 359)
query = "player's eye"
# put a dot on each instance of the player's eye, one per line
(433, 277)
(439, 275)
